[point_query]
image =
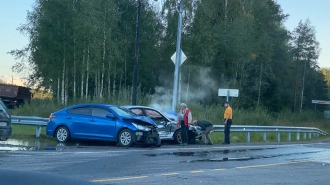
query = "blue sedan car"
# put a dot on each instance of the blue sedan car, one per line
(102, 122)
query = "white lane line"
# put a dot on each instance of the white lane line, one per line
(169, 174)
(119, 179)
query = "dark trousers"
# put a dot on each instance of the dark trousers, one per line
(227, 131)
(184, 132)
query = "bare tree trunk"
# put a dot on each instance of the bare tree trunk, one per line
(66, 89)
(96, 84)
(120, 84)
(74, 69)
(63, 82)
(102, 81)
(82, 74)
(114, 81)
(295, 87)
(109, 81)
(58, 88)
(87, 71)
(104, 47)
(125, 70)
(74, 57)
(303, 88)
(260, 82)
(63, 76)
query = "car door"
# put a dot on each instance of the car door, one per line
(78, 120)
(101, 126)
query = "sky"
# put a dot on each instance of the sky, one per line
(13, 14)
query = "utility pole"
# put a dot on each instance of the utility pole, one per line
(136, 61)
(178, 58)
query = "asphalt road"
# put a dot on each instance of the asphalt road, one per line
(307, 163)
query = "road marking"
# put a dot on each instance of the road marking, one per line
(169, 174)
(219, 169)
(275, 164)
(261, 165)
(216, 169)
(120, 179)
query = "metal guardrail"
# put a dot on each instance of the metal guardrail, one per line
(40, 122)
(273, 129)
(30, 120)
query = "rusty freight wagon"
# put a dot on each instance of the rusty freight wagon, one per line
(13, 95)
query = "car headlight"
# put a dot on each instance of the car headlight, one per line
(141, 127)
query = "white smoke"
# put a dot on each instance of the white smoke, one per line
(199, 87)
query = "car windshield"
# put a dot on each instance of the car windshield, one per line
(121, 111)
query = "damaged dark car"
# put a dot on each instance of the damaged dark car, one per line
(5, 122)
(102, 122)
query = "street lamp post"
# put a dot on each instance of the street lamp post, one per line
(178, 58)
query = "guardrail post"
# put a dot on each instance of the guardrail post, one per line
(264, 137)
(248, 137)
(304, 135)
(317, 135)
(38, 131)
(310, 135)
(278, 138)
(37, 144)
(289, 136)
(298, 136)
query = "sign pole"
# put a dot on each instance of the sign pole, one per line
(178, 58)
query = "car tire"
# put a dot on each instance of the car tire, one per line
(62, 134)
(177, 136)
(159, 142)
(125, 138)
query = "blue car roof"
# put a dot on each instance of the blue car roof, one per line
(88, 104)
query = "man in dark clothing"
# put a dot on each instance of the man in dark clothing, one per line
(206, 127)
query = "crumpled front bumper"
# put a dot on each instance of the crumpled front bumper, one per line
(150, 137)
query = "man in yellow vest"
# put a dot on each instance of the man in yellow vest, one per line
(228, 116)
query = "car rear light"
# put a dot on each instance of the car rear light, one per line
(52, 116)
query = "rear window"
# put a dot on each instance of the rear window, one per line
(80, 110)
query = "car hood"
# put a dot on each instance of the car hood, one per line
(143, 120)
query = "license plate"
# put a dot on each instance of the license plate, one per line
(3, 124)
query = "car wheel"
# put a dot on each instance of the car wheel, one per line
(62, 134)
(125, 138)
(178, 136)
(159, 142)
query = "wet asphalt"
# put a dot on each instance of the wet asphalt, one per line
(104, 163)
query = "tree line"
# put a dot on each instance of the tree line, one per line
(85, 49)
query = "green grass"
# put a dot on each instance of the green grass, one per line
(214, 113)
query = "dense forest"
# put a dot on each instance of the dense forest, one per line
(85, 49)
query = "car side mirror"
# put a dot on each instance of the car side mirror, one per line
(110, 116)
(172, 119)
